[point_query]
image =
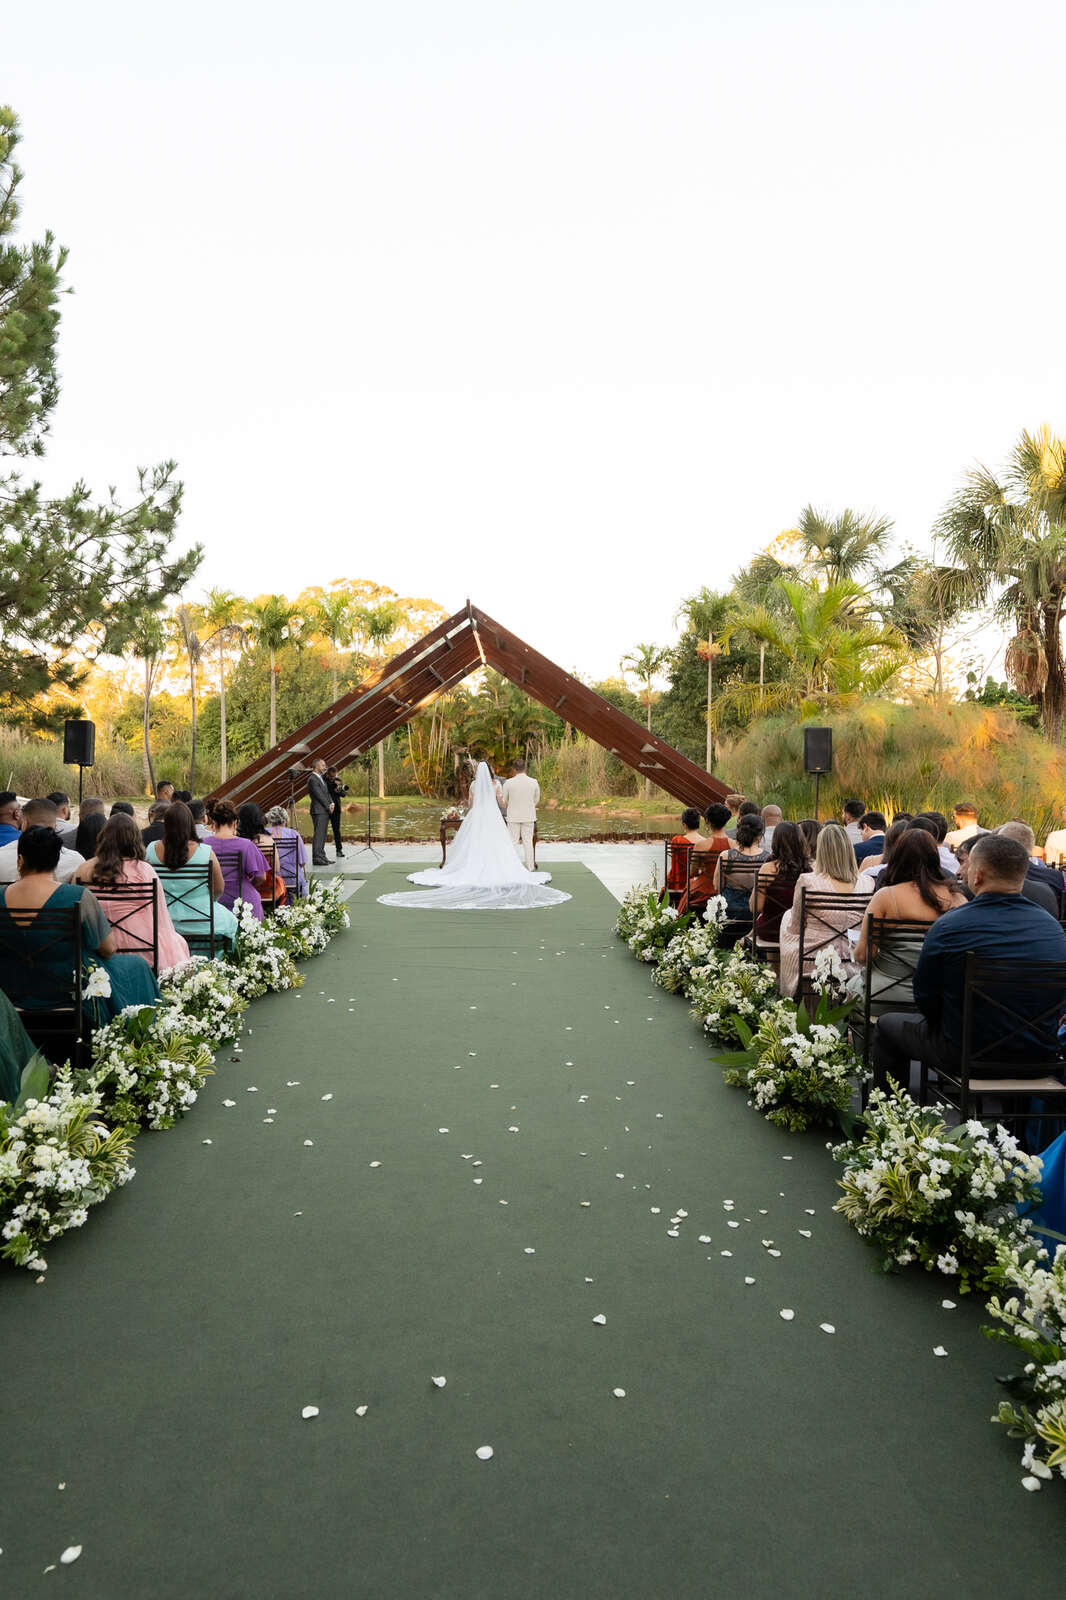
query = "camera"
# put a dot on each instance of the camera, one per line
(340, 788)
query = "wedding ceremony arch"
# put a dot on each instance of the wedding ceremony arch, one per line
(450, 652)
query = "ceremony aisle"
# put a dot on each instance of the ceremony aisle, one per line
(459, 1152)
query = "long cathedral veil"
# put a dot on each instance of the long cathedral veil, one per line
(483, 870)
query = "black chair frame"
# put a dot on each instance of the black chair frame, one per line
(981, 1073)
(817, 903)
(675, 854)
(121, 902)
(288, 863)
(881, 934)
(195, 876)
(736, 869)
(71, 1020)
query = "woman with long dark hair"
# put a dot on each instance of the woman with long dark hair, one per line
(251, 824)
(190, 904)
(775, 883)
(89, 830)
(913, 887)
(243, 854)
(119, 859)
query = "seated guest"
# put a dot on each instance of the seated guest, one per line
(184, 795)
(966, 827)
(190, 907)
(835, 872)
(37, 814)
(1054, 844)
(854, 811)
(810, 830)
(734, 802)
(775, 882)
(254, 874)
(771, 816)
(122, 808)
(64, 827)
(199, 812)
(702, 861)
(938, 823)
(10, 817)
(90, 826)
(17, 1050)
(872, 868)
(293, 853)
(690, 821)
(164, 791)
(90, 806)
(903, 816)
(872, 827)
(251, 824)
(1000, 924)
(132, 980)
(1037, 871)
(120, 858)
(913, 887)
(154, 831)
(735, 888)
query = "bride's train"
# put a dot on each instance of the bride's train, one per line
(482, 872)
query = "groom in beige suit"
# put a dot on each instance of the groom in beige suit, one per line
(521, 796)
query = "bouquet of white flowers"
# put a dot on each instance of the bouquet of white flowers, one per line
(305, 926)
(205, 994)
(797, 1068)
(655, 924)
(944, 1197)
(261, 961)
(632, 908)
(149, 1065)
(687, 951)
(1033, 1317)
(57, 1158)
(729, 994)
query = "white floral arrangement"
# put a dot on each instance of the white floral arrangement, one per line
(453, 814)
(149, 1065)
(261, 962)
(724, 993)
(831, 978)
(652, 926)
(632, 908)
(57, 1158)
(799, 1070)
(1031, 1309)
(691, 950)
(943, 1197)
(204, 993)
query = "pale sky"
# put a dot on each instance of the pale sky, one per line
(568, 307)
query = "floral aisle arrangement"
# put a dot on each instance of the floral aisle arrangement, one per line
(1031, 1309)
(65, 1145)
(648, 924)
(943, 1197)
(693, 949)
(728, 994)
(799, 1070)
(57, 1158)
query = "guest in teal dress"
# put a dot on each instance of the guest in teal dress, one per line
(16, 1049)
(45, 984)
(190, 905)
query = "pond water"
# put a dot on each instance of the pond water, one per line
(421, 820)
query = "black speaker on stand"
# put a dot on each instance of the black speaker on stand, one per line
(817, 757)
(79, 747)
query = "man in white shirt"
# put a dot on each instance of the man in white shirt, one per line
(64, 827)
(1055, 845)
(854, 811)
(521, 797)
(771, 816)
(966, 825)
(37, 814)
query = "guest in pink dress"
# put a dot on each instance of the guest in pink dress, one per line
(120, 859)
(835, 872)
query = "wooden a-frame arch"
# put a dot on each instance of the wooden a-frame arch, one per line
(449, 653)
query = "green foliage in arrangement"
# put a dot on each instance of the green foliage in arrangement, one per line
(908, 757)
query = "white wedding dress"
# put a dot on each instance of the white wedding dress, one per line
(483, 871)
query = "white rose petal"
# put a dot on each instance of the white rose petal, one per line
(827, 1327)
(804, 1233)
(1032, 1484)
(938, 1350)
(309, 1411)
(308, 1141)
(948, 1305)
(70, 1554)
(529, 1249)
(619, 1394)
(361, 1411)
(438, 1383)
(484, 1452)
(786, 1315)
(600, 1319)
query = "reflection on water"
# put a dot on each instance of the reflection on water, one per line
(421, 820)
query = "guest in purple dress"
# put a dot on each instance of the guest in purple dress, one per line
(244, 866)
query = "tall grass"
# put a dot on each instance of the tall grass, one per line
(33, 766)
(580, 769)
(910, 758)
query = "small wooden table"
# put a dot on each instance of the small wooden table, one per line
(450, 825)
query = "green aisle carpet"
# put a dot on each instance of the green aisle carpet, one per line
(473, 1060)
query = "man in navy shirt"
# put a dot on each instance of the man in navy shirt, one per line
(872, 827)
(10, 816)
(999, 924)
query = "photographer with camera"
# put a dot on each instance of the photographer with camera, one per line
(336, 790)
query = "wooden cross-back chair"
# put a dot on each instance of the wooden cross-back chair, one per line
(816, 910)
(185, 888)
(122, 902)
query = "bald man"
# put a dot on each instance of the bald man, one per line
(771, 816)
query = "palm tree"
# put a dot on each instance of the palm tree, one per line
(828, 656)
(1007, 535)
(187, 640)
(148, 646)
(270, 624)
(844, 547)
(332, 616)
(645, 660)
(222, 612)
(377, 624)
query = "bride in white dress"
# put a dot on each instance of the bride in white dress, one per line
(483, 871)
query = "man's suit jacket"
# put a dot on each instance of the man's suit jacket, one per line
(521, 796)
(319, 793)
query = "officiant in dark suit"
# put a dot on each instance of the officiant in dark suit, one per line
(321, 806)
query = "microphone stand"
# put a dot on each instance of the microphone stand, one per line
(367, 763)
